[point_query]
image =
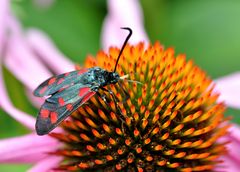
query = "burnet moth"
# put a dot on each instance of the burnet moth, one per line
(69, 91)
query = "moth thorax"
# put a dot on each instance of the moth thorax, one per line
(113, 77)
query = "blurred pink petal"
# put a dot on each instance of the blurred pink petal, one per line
(20, 60)
(6, 104)
(229, 87)
(48, 53)
(36, 101)
(123, 13)
(227, 166)
(26, 149)
(13, 25)
(46, 165)
(231, 161)
(3, 13)
(24, 65)
(234, 146)
(27, 66)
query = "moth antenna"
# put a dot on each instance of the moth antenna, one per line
(126, 76)
(134, 81)
(124, 44)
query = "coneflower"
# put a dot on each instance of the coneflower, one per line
(171, 121)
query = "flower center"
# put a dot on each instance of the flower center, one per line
(169, 122)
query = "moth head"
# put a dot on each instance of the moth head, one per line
(113, 77)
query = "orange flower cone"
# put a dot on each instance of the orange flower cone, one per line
(171, 121)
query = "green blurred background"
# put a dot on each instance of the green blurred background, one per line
(207, 31)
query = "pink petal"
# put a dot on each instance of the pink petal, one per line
(13, 25)
(231, 161)
(21, 61)
(229, 86)
(227, 165)
(26, 149)
(23, 68)
(123, 13)
(26, 66)
(234, 146)
(4, 4)
(46, 165)
(48, 53)
(6, 104)
(36, 101)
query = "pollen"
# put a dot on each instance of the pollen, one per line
(166, 118)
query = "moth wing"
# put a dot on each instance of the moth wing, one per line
(56, 83)
(59, 106)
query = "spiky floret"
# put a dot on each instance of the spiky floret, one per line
(169, 122)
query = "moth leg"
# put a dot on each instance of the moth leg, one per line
(111, 93)
(115, 101)
(103, 97)
(127, 96)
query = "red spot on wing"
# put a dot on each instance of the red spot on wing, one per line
(66, 74)
(82, 71)
(88, 96)
(83, 91)
(44, 113)
(63, 88)
(51, 81)
(53, 117)
(69, 107)
(60, 81)
(42, 91)
(61, 101)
